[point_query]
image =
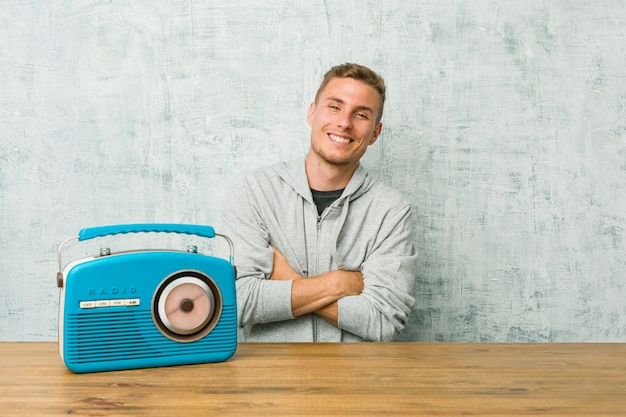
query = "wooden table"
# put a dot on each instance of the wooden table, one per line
(379, 379)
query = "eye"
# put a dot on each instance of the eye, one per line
(362, 116)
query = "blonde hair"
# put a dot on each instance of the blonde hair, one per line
(359, 73)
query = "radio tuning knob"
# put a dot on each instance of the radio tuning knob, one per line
(186, 305)
(105, 251)
(192, 249)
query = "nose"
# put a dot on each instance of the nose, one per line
(345, 121)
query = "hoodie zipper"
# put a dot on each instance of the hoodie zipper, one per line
(318, 225)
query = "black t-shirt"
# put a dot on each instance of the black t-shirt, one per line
(323, 199)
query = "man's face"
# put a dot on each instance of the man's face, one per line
(343, 121)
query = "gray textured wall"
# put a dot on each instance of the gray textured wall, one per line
(505, 126)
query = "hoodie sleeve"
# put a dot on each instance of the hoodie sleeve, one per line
(259, 299)
(381, 311)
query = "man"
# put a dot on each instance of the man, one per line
(324, 252)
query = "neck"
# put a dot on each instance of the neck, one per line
(323, 176)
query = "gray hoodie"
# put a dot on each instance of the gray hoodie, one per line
(369, 228)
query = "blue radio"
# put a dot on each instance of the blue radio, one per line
(146, 308)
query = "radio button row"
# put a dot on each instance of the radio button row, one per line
(129, 302)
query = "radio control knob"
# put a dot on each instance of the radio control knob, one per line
(186, 305)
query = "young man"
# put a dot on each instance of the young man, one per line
(324, 252)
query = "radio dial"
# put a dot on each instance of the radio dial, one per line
(186, 306)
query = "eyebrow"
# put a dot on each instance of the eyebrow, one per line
(358, 108)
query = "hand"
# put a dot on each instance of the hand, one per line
(281, 270)
(346, 282)
(320, 293)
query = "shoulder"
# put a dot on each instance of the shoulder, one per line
(257, 176)
(277, 169)
(384, 197)
(383, 191)
(269, 182)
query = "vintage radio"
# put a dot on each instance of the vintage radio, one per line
(146, 308)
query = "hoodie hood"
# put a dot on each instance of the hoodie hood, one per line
(294, 174)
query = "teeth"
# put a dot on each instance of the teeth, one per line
(338, 138)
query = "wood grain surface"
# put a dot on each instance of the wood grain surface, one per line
(429, 379)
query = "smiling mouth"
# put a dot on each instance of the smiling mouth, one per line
(339, 139)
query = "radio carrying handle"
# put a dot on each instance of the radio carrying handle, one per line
(189, 229)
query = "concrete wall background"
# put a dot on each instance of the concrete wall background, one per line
(505, 126)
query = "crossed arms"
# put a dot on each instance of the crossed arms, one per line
(318, 294)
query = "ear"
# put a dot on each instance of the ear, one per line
(310, 114)
(377, 130)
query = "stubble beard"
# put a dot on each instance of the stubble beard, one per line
(338, 162)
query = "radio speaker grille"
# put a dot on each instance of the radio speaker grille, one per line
(129, 335)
